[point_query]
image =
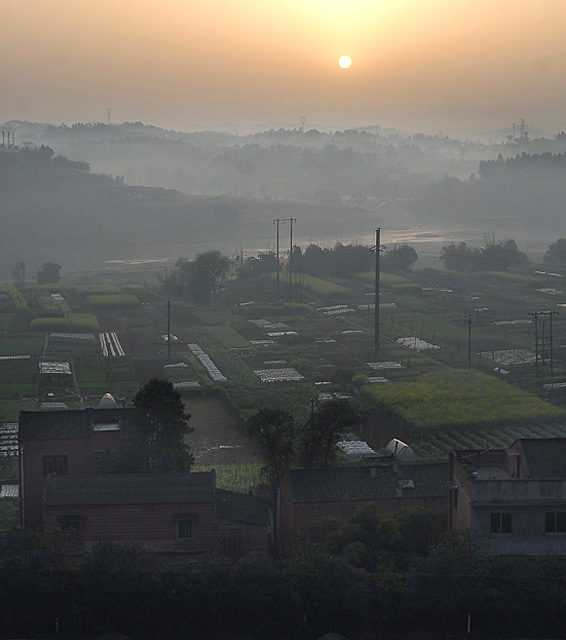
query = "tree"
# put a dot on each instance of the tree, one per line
(160, 424)
(556, 253)
(274, 429)
(214, 267)
(50, 272)
(459, 258)
(399, 258)
(19, 274)
(318, 436)
(198, 279)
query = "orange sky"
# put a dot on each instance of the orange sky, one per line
(422, 64)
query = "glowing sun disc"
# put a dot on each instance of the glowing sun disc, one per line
(345, 62)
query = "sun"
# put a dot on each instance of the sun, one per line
(345, 62)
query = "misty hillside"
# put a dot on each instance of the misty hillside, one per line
(285, 164)
(69, 194)
(58, 206)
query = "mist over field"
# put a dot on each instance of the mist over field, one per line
(90, 195)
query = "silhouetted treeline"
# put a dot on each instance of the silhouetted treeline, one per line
(523, 165)
(122, 589)
(494, 256)
(341, 261)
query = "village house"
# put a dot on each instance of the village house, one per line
(512, 500)
(62, 484)
(164, 513)
(307, 496)
(68, 443)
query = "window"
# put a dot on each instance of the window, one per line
(555, 522)
(185, 529)
(71, 525)
(500, 523)
(106, 426)
(55, 464)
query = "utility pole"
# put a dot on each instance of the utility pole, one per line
(468, 319)
(169, 329)
(377, 343)
(277, 221)
(291, 220)
(544, 348)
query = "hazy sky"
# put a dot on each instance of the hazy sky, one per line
(421, 64)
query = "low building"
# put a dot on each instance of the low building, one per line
(306, 496)
(62, 484)
(164, 513)
(512, 500)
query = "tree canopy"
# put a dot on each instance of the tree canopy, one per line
(50, 272)
(160, 424)
(317, 438)
(493, 256)
(274, 429)
(556, 253)
(399, 258)
(199, 279)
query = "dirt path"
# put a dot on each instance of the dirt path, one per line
(217, 439)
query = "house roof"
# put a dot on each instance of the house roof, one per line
(242, 507)
(71, 424)
(543, 457)
(167, 488)
(391, 479)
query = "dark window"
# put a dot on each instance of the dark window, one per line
(185, 529)
(500, 523)
(55, 464)
(71, 525)
(555, 522)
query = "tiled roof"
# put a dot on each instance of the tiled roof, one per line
(382, 480)
(72, 424)
(241, 507)
(130, 489)
(543, 457)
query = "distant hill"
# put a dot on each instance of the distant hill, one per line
(53, 208)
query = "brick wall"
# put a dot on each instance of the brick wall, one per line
(80, 461)
(297, 518)
(154, 527)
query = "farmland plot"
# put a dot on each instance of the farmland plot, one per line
(110, 345)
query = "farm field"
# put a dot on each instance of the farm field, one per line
(250, 351)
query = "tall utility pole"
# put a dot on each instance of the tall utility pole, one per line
(291, 220)
(169, 329)
(468, 319)
(277, 221)
(377, 343)
(544, 348)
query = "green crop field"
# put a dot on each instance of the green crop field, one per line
(460, 399)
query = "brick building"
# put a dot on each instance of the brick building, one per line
(166, 513)
(513, 500)
(308, 495)
(66, 443)
(61, 483)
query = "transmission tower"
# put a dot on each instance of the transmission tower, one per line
(544, 338)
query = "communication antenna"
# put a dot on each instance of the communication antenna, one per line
(108, 114)
(524, 129)
(303, 123)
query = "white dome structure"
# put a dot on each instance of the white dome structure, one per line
(400, 449)
(107, 402)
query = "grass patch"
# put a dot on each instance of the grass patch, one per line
(324, 288)
(228, 337)
(10, 409)
(240, 478)
(113, 301)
